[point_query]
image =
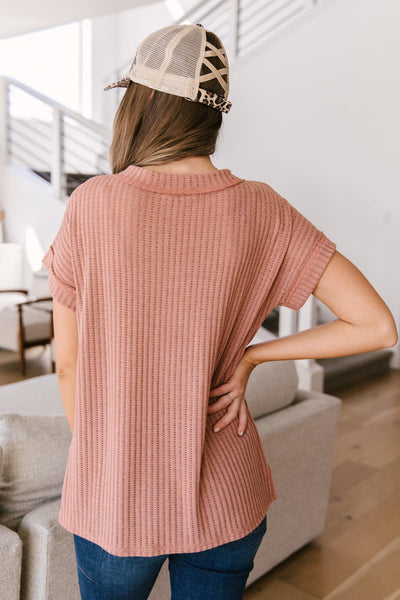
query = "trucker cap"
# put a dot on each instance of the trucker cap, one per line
(170, 60)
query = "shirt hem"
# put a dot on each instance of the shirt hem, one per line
(173, 549)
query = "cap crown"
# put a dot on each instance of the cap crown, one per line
(170, 60)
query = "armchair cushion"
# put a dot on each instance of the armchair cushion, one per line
(34, 456)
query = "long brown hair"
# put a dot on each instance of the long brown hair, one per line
(166, 127)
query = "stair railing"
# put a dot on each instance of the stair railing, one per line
(310, 372)
(49, 138)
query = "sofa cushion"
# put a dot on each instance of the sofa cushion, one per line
(271, 386)
(35, 452)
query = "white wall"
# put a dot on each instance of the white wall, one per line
(316, 115)
(32, 216)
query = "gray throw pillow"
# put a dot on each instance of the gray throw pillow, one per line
(33, 458)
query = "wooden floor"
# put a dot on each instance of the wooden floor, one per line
(38, 362)
(358, 555)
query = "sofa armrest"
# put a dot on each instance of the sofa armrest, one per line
(48, 563)
(299, 443)
(10, 563)
(306, 394)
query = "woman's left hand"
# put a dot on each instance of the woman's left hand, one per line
(233, 396)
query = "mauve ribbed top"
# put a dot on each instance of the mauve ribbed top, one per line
(171, 275)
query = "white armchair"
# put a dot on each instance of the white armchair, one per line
(26, 315)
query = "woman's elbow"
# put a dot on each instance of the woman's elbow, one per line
(389, 333)
(345, 290)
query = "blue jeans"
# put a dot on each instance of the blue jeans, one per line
(219, 573)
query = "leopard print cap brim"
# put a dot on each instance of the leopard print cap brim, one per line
(121, 83)
(212, 99)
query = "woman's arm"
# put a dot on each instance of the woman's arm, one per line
(364, 322)
(66, 350)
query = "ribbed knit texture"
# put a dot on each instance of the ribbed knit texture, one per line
(171, 275)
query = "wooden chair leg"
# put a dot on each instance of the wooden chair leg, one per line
(53, 364)
(22, 360)
(21, 345)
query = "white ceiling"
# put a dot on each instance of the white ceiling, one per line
(23, 16)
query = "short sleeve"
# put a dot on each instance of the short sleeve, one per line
(58, 261)
(307, 255)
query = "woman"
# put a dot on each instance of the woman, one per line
(161, 274)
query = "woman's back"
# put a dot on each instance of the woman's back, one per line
(171, 275)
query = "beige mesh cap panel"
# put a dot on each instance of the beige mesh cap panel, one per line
(170, 60)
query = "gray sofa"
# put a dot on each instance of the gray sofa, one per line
(37, 557)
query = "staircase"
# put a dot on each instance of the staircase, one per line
(72, 180)
(51, 140)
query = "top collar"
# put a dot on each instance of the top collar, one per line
(179, 183)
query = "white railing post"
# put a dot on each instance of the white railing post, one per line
(234, 30)
(3, 121)
(58, 178)
(287, 321)
(311, 374)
